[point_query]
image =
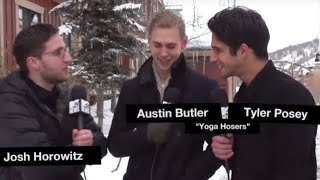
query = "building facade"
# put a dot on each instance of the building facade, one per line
(16, 15)
(198, 58)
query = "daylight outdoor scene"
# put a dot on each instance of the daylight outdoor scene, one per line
(101, 63)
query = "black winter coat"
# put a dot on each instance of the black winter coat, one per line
(279, 151)
(180, 158)
(28, 122)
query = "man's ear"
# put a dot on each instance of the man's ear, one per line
(33, 63)
(243, 50)
(184, 42)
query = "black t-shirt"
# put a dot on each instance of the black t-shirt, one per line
(45, 96)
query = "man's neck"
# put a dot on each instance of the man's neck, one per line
(40, 82)
(164, 76)
(252, 70)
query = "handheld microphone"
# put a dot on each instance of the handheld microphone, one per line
(161, 132)
(220, 96)
(79, 105)
(171, 95)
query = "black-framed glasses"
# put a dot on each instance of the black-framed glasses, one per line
(60, 52)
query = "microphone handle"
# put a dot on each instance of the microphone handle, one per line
(80, 121)
(226, 163)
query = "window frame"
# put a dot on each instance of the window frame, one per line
(30, 6)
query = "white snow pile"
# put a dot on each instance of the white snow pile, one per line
(127, 6)
(61, 5)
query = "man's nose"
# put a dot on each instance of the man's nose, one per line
(163, 52)
(67, 57)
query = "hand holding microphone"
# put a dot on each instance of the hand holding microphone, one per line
(222, 145)
(79, 106)
(83, 137)
(158, 132)
(222, 148)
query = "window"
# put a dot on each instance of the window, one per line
(27, 14)
(28, 18)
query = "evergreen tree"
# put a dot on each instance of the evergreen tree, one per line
(107, 31)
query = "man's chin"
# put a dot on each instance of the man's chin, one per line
(164, 68)
(224, 75)
(62, 79)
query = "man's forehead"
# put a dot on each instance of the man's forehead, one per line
(164, 42)
(55, 42)
(215, 42)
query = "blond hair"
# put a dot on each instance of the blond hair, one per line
(167, 19)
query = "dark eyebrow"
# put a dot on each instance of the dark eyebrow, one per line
(155, 42)
(171, 44)
(55, 50)
(215, 48)
(59, 48)
(158, 43)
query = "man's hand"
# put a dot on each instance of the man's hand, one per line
(222, 146)
(158, 132)
(83, 137)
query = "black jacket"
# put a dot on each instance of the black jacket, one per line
(26, 121)
(183, 156)
(279, 151)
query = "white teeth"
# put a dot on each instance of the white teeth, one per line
(220, 66)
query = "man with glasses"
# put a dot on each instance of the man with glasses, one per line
(280, 151)
(33, 105)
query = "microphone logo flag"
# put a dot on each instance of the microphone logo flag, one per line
(85, 108)
(79, 105)
(74, 106)
(224, 112)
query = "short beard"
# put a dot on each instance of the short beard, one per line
(54, 81)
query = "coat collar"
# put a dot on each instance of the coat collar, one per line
(261, 80)
(16, 83)
(178, 72)
(148, 85)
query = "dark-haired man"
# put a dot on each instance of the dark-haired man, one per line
(33, 105)
(280, 151)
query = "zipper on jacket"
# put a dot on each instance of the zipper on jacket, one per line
(157, 145)
(154, 161)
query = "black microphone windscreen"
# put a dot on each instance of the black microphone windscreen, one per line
(78, 92)
(171, 95)
(219, 96)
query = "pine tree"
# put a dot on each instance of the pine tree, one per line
(107, 31)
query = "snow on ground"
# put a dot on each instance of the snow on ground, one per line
(109, 163)
(104, 171)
